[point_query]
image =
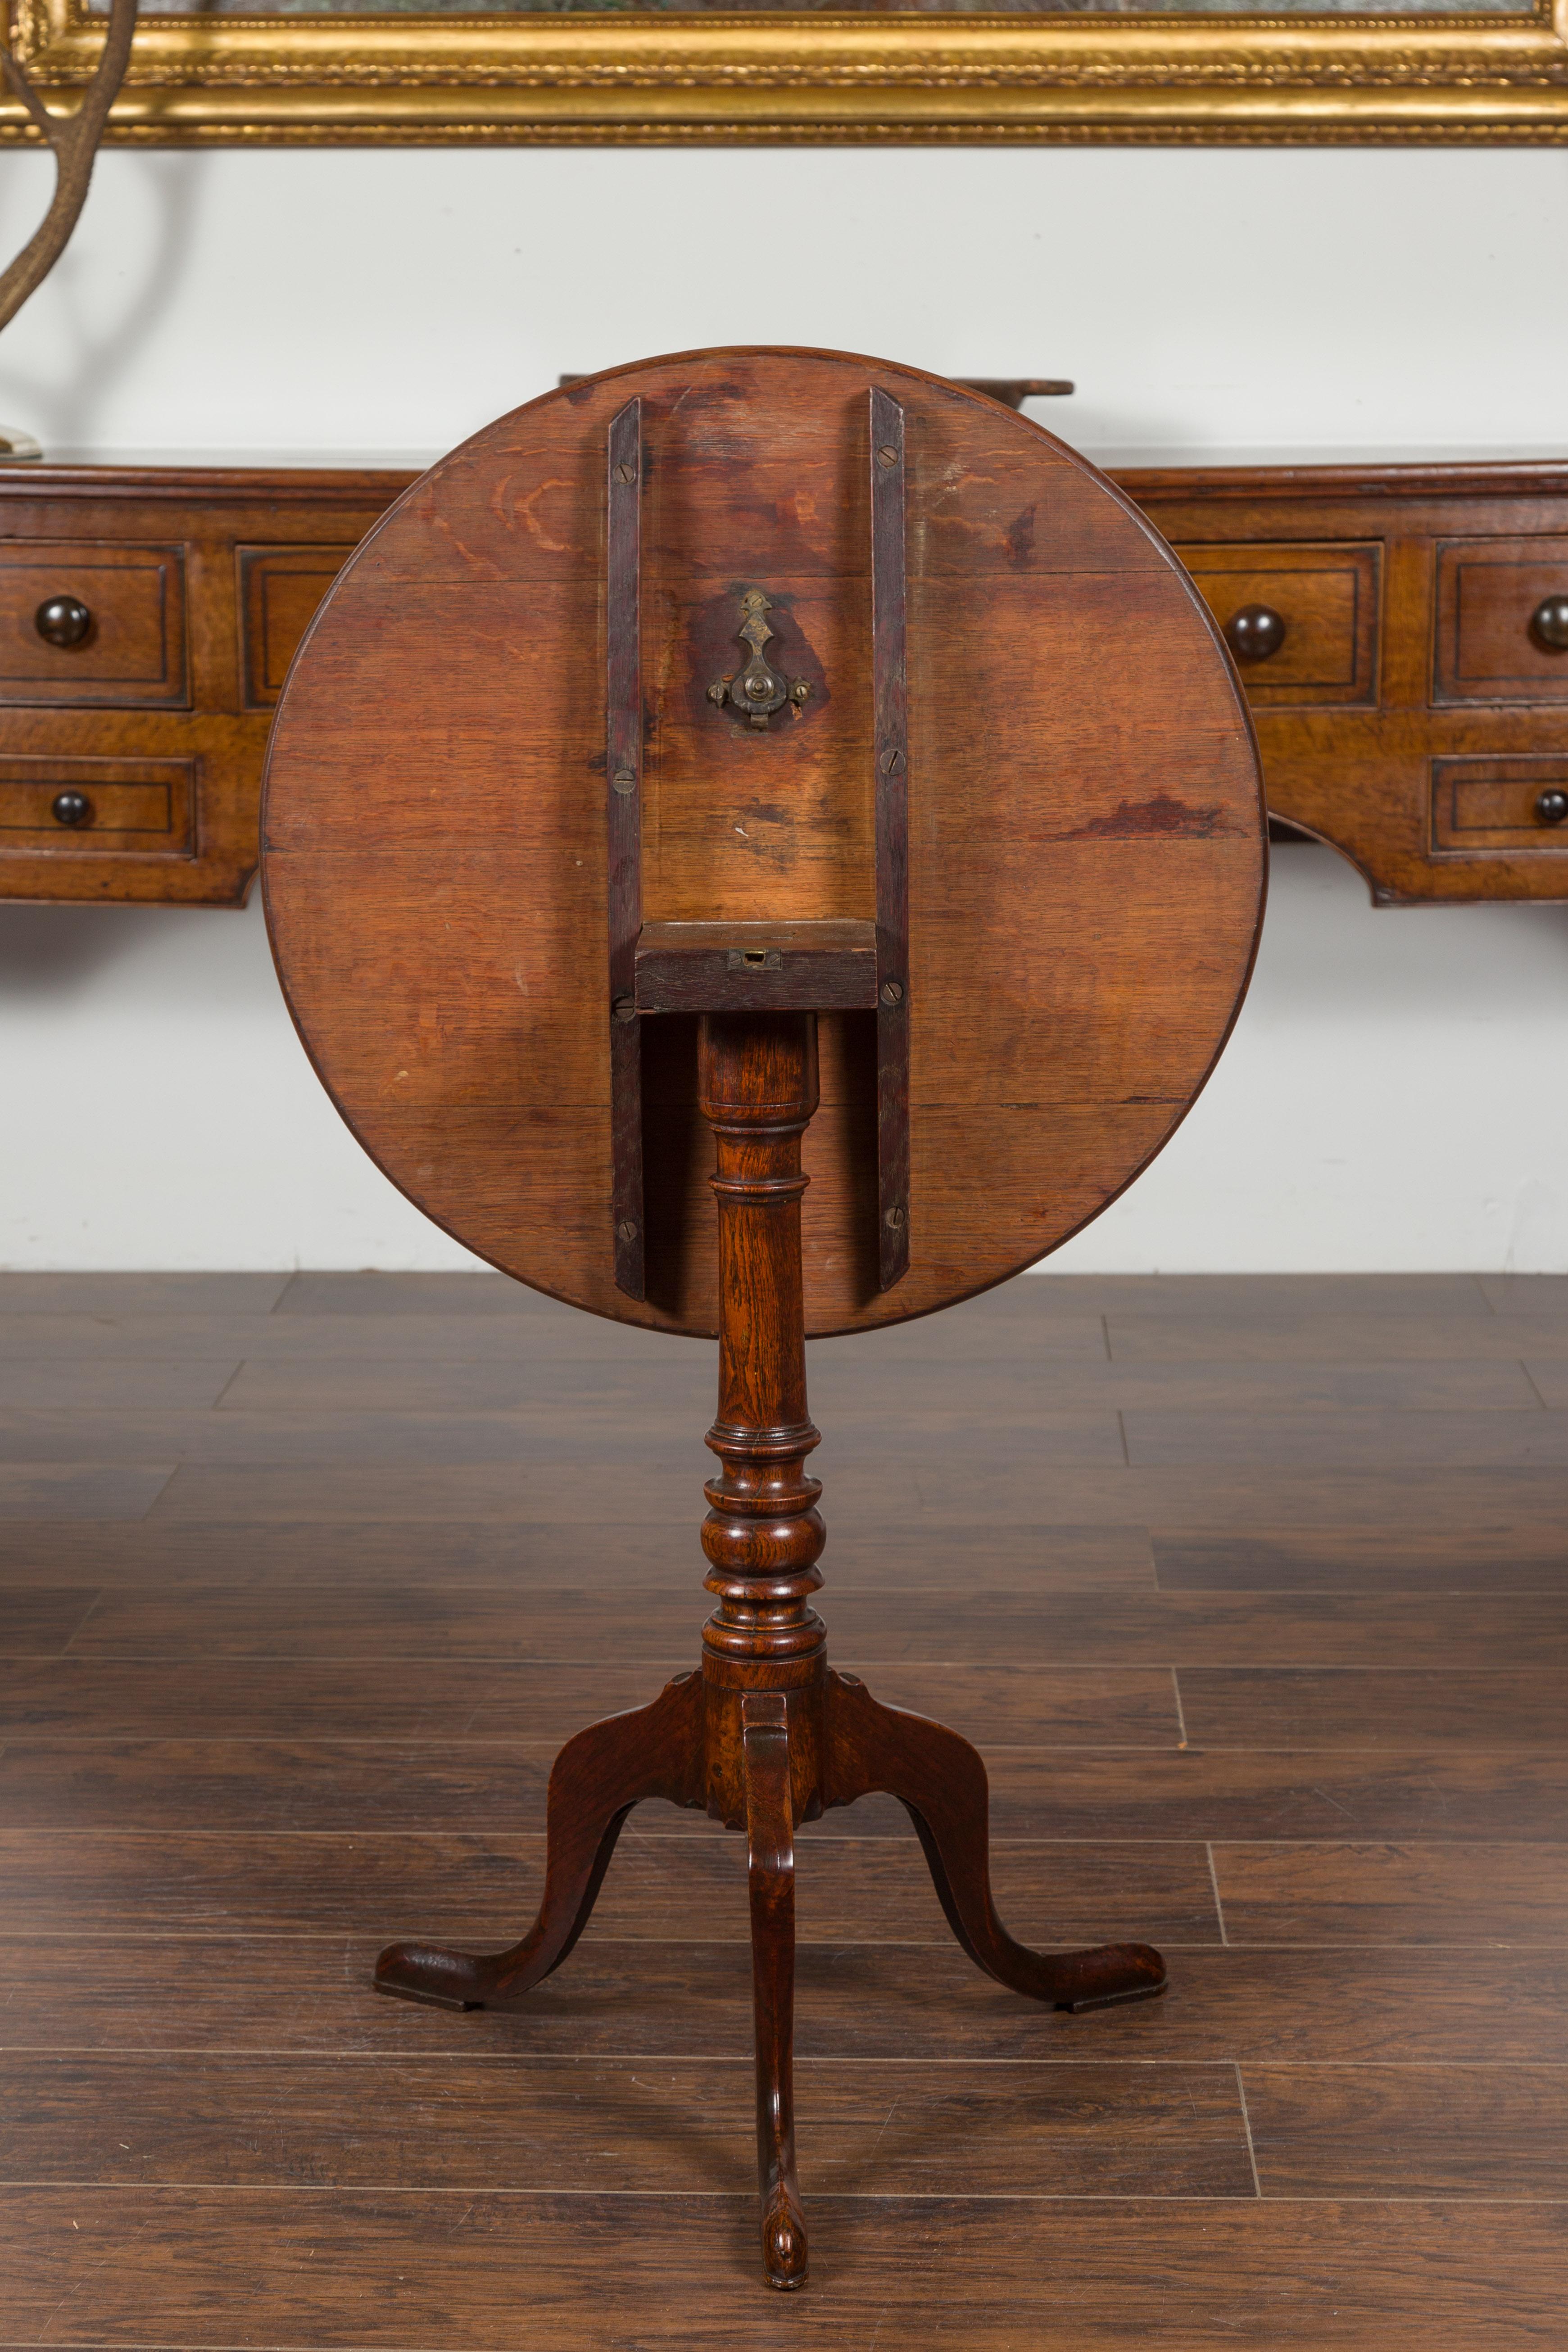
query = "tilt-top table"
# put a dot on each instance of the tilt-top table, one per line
(753, 770)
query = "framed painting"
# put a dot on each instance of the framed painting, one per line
(221, 72)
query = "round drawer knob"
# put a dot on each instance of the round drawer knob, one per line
(62, 620)
(75, 808)
(1552, 807)
(1548, 624)
(1255, 634)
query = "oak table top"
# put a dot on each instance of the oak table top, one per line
(1085, 824)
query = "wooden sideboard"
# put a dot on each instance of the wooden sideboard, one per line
(1402, 631)
(1415, 713)
(147, 619)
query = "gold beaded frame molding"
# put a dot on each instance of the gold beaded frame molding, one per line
(587, 75)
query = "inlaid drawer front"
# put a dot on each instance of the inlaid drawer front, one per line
(90, 621)
(1301, 620)
(76, 808)
(279, 589)
(1502, 621)
(1507, 803)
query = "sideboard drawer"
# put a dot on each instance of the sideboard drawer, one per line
(155, 700)
(93, 621)
(1301, 620)
(279, 589)
(1501, 803)
(84, 808)
(1500, 601)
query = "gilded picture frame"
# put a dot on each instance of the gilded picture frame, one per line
(584, 73)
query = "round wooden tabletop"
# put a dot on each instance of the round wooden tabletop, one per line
(1086, 830)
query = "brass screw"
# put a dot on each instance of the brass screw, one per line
(892, 992)
(800, 689)
(896, 1220)
(626, 1230)
(887, 455)
(625, 1008)
(891, 764)
(626, 473)
(625, 779)
(719, 689)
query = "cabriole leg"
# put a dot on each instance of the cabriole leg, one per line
(940, 1781)
(598, 1776)
(770, 1828)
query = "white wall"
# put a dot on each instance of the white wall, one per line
(386, 302)
(1392, 1098)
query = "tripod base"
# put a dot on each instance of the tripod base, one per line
(761, 1755)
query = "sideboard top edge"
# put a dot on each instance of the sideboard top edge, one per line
(1400, 478)
(296, 476)
(302, 475)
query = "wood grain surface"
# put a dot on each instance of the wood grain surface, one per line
(375, 2271)
(1410, 716)
(194, 578)
(236, 1754)
(1085, 850)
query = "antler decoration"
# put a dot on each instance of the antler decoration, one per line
(74, 139)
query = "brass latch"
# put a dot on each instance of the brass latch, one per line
(757, 687)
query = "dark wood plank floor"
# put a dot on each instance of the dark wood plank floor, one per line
(1254, 1591)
